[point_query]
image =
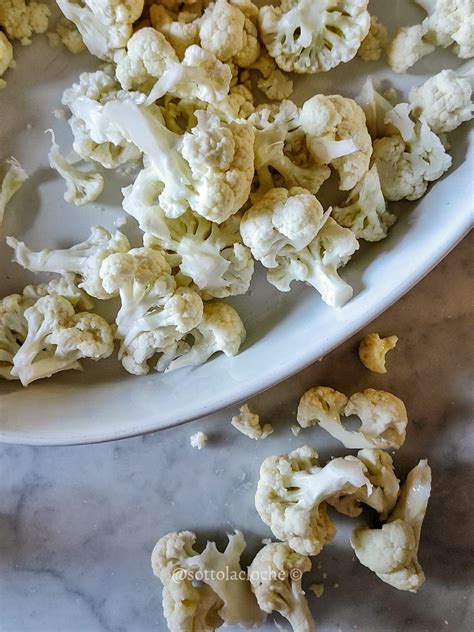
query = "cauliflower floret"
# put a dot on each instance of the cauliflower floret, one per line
(450, 23)
(174, 559)
(92, 90)
(82, 186)
(373, 349)
(13, 330)
(154, 314)
(392, 551)
(408, 161)
(12, 177)
(6, 57)
(70, 36)
(276, 86)
(375, 41)
(318, 264)
(211, 255)
(58, 338)
(337, 134)
(221, 330)
(275, 575)
(64, 286)
(407, 47)
(198, 440)
(83, 260)
(248, 423)
(20, 20)
(365, 211)
(292, 491)
(383, 416)
(308, 36)
(228, 30)
(386, 486)
(105, 25)
(179, 32)
(444, 101)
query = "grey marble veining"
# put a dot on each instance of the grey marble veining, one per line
(77, 524)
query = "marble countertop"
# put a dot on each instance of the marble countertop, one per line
(77, 524)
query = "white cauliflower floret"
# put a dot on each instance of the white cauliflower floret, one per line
(248, 423)
(221, 330)
(20, 20)
(375, 41)
(12, 177)
(317, 264)
(365, 210)
(292, 491)
(154, 314)
(337, 134)
(373, 349)
(383, 416)
(208, 169)
(198, 440)
(408, 161)
(83, 260)
(450, 23)
(70, 37)
(64, 286)
(444, 101)
(179, 32)
(386, 486)
(174, 560)
(13, 330)
(392, 551)
(407, 47)
(228, 31)
(85, 97)
(275, 575)
(308, 36)
(58, 338)
(211, 255)
(105, 25)
(82, 186)
(276, 86)
(6, 57)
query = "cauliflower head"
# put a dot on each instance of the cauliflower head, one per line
(309, 36)
(373, 349)
(383, 416)
(83, 260)
(291, 494)
(392, 551)
(277, 586)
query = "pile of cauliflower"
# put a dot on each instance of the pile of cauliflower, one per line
(294, 496)
(223, 182)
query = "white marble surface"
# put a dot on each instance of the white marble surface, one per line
(77, 524)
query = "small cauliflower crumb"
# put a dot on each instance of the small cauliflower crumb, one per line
(295, 429)
(198, 440)
(248, 423)
(375, 41)
(390, 94)
(266, 541)
(60, 114)
(276, 87)
(317, 589)
(373, 349)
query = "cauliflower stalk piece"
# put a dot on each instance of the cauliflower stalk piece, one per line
(392, 551)
(365, 210)
(21, 20)
(57, 338)
(105, 25)
(383, 416)
(83, 260)
(373, 349)
(209, 169)
(275, 575)
(11, 180)
(248, 423)
(309, 36)
(291, 494)
(209, 254)
(82, 187)
(408, 161)
(220, 330)
(6, 57)
(175, 560)
(154, 314)
(443, 101)
(87, 95)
